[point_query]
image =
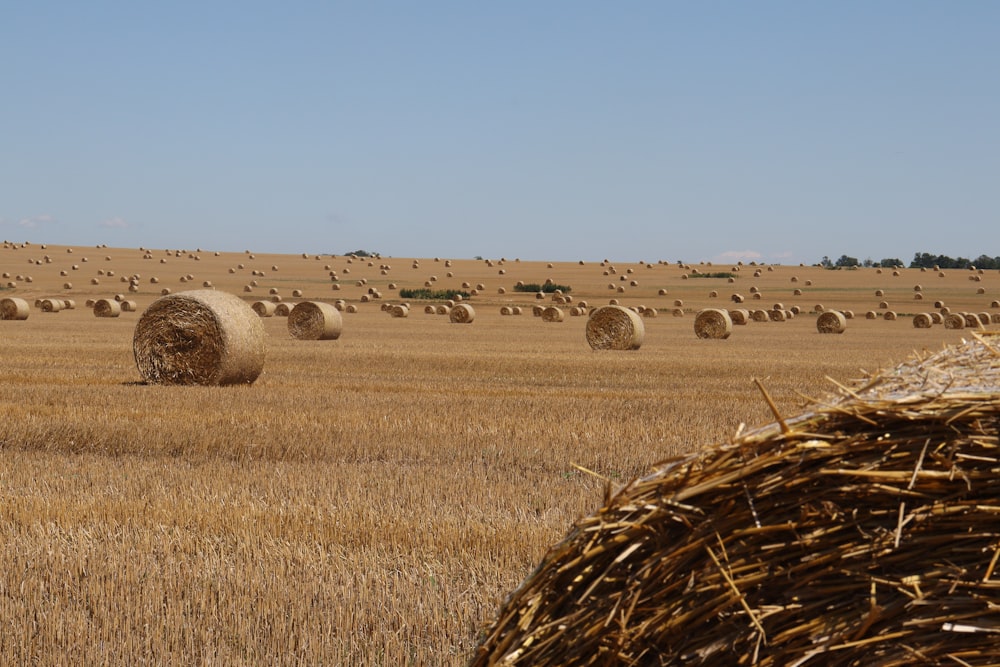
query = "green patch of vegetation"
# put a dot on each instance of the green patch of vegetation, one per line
(547, 287)
(439, 295)
(717, 274)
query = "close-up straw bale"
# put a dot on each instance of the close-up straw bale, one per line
(552, 314)
(199, 337)
(614, 328)
(314, 320)
(860, 532)
(14, 308)
(107, 308)
(462, 313)
(922, 321)
(739, 316)
(713, 323)
(954, 321)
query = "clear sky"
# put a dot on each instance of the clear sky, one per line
(539, 129)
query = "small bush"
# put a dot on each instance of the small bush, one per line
(439, 295)
(547, 287)
(717, 274)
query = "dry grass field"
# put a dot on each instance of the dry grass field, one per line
(370, 500)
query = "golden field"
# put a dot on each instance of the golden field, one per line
(370, 500)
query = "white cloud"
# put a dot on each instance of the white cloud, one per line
(115, 223)
(35, 220)
(737, 255)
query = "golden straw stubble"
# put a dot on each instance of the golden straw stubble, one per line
(713, 323)
(199, 337)
(314, 320)
(615, 328)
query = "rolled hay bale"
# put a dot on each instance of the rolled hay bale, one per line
(69, 304)
(506, 310)
(971, 319)
(922, 321)
(796, 292)
(849, 314)
(614, 328)
(430, 310)
(677, 312)
(199, 337)
(284, 309)
(351, 308)
(314, 320)
(759, 315)
(678, 303)
(883, 305)
(995, 318)
(739, 316)
(984, 318)
(859, 530)
(795, 310)
(552, 314)
(517, 310)
(776, 315)
(994, 304)
(462, 313)
(263, 308)
(954, 321)
(89, 303)
(713, 323)
(107, 308)
(647, 312)
(818, 308)
(129, 306)
(399, 311)
(879, 293)
(871, 315)
(51, 305)
(831, 322)
(889, 315)
(14, 308)
(936, 317)
(443, 309)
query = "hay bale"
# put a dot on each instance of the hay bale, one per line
(399, 311)
(759, 315)
(430, 310)
(14, 308)
(614, 328)
(831, 322)
(776, 315)
(739, 316)
(922, 321)
(284, 310)
(128, 306)
(444, 309)
(971, 319)
(713, 323)
(505, 310)
(552, 314)
(107, 308)
(263, 308)
(954, 321)
(200, 337)
(860, 532)
(462, 313)
(314, 320)
(51, 305)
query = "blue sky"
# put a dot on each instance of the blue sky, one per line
(550, 130)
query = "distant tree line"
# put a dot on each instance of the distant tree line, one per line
(920, 260)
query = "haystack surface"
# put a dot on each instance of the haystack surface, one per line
(203, 337)
(615, 328)
(862, 532)
(13, 308)
(314, 320)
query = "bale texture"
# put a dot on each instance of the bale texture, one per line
(739, 316)
(199, 337)
(462, 313)
(107, 308)
(713, 323)
(860, 532)
(263, 308)
(314, 320)
(831, 321)
(14, 308)
(954, 321)
(922, 321)
(552, 314)
(614, 328)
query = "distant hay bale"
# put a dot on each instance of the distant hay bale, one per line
(889, 315)
(831, 322)
(505, 310)
(984, 318)
(737, 298)
(552, 314)
(678, 303)
(797, 292)
(430, 310)
(971, 319)
(297, 293)
(883, 305)
(922, 321)
(677, 312)
(89, 303)
(69, 304)
(462, 313)
(614, 328)
(936, 318)
(994, 304)
(399, 310)
(128, 306)
(713, 323)
(776, 315)
(879, 293)
(351, 308)
(314, 320)
(107, 308)
(759, 315)
(51, 305)
(263, 308)
(200, 337)
(283, 309)
(818, 308)
(649, 312)
(14, 308)
(739, 316)
(954, 321)
(443, 309)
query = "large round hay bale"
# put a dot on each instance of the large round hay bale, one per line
(776, 315)
(283, 309)
(199, 337)
(443, 309)
(462, 313)
(314, 320)
(954, 321)
(552, 314)
(831, 321)
(129, 306)
(263, 308)
(51, 305)
(859, 532)
(13, 308)
(739, 316)
(759, 315)
(713, 323)
(107, 308)
(399, 310)
(614, 328)
(890, 315)
(922, 321)
(971, 319)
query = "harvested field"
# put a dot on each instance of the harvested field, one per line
(374, 501)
